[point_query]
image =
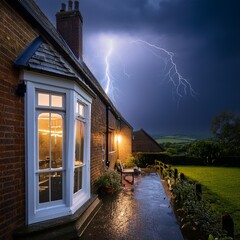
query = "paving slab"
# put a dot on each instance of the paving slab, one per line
(140, 213)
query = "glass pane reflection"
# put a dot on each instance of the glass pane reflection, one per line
(50, 187)
(56, 140)
(80, 109)
(43, 187)
(79, 143)
(77, 179)
(44, 140)
(56, 187)
(43, 99)
(50, 135)
(57, 101)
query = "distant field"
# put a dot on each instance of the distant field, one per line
(221, 186)
(174, 139)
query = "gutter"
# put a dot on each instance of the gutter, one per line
(107, 132)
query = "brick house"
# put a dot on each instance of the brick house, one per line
(58, 128)
(143, 142)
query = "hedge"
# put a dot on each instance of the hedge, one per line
(147, 158)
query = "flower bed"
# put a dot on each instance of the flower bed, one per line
(196, 217)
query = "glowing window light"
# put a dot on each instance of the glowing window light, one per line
(50, 100)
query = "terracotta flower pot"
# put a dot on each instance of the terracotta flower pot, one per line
(109, 190)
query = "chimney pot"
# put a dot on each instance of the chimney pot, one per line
(63, 9)
(69, 25)
(70, 4)
(76, 5)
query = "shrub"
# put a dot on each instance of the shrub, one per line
(109, 179)
(145, 159)
(197, 212)
(131, 162)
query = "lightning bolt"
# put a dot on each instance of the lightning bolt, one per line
(108, 76)
(181, 84)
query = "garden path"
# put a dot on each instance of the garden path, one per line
(143, 212)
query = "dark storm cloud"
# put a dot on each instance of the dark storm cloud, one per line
(203, 34)
(217, 22)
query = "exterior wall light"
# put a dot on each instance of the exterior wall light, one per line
(119, 138)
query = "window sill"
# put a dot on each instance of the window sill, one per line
(61, 228)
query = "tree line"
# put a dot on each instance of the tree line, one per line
(225, 141)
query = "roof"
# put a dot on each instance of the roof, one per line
(29, 10)
(143, 142)
(42, 57)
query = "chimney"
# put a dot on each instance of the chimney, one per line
(69, 25)
(63, 9)
(70, 3)
(76, 5)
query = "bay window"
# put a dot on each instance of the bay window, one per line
(57, 130)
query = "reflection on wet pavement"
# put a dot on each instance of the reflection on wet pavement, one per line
(143, 214)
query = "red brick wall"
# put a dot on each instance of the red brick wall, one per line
(122, 150)
(98, 128)
(143, 143)
(69, 24)
(15, 35)
(112, 121)
(125, 143)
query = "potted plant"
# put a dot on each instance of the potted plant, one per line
(109, 181)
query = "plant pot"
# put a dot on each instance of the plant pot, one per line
(109, 189)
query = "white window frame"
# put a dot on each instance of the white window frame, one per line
(72, 92)
(79, 195)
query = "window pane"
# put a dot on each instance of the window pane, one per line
(50, 187)
(56, 186)
(79, 143)
(57, 101)
(43, 187)
(81, 110)
(43, 99)
(56, 140)
(44, 140)
(76, 108)
(77, 179)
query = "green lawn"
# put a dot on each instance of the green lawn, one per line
(221, 186)
(174, 139)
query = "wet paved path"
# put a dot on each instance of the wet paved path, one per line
(142, 214)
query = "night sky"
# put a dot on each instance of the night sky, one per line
(203, 35)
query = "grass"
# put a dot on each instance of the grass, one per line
(220, 186)
(174, 139)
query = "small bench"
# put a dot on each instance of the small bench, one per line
(126, 172)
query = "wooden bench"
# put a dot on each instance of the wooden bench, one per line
(126, 172)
